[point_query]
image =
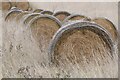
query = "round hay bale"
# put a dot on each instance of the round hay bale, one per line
(47, 12)
(37, 11)
(6, 5)
(12, 14)
(108, 25)
(79, 42)
(74, 17)
(43, 28)
(23, 5)
(29, 17)
(20, 16)
(61, 15)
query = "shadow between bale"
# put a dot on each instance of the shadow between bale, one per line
(80, 42)
(109, 26)
(61, 15)
(43, 28)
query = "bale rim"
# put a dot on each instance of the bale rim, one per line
(29, 17)
(37, 10)
(47, 12)
(108, 25)
(74, 17)
(81, 25)
(45, 16)
(12, 13)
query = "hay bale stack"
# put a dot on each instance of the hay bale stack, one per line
(37, 10)
(47, 12)
(12, 14)
(43, 28)
(61, 15)
(108, 25)
(81, 43)
(29, 17)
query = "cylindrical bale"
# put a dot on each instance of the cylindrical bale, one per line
(73, 17)
(47, 12)
(29, 17)
(23, 5)
(12, 14)
(37, 10)
(43, 28)
(108, 25)
(20, 16)
(6, 5)
(80, 42)
(61, 15)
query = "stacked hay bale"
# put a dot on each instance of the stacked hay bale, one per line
(43, 28)
(80, 42)
(12, 14)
